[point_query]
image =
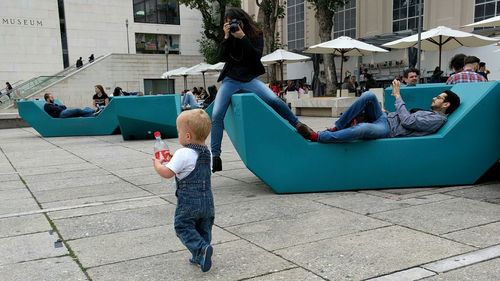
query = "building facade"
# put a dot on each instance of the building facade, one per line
(42, 37)
(381, 21)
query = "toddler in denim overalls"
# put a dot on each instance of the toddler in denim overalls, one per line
(194, 215)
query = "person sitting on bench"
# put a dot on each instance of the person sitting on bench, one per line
(61, 111)
(377, 124)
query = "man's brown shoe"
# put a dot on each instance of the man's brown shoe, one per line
(304, 130)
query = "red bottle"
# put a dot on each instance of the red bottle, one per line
(162, 152)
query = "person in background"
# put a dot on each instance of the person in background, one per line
(79, 62)
(61, 111)
(188, 100)
(482, 70)
(436, 75)
(117, 92)
(410, 77)
(100, 98)
(468, 74)
(457, 63)
(8, 89)
(91, 58)
(378, 124)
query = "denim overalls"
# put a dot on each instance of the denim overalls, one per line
(194, 215)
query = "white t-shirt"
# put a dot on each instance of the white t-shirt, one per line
(183, 162)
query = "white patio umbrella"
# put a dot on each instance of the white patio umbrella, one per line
(442, 38)
(281, 57)
(200, 68)
(344, 46)
(494, 21)
(173, 72)
(217, 67)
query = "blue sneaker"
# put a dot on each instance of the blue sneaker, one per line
(206, 258)
(193, 261)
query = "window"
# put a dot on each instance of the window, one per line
(484, 9)
(405, 15)
(156, 11)
(344, 21)
(295, 24)
(146, 43)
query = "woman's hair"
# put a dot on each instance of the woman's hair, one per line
(117, 91)
(249, 27)
(100, 89)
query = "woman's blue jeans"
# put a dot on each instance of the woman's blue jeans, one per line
(223, 99)
(77, 112)
(375, 125)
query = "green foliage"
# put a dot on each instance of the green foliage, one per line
(208, 48)
(331, 5)
(212, 13)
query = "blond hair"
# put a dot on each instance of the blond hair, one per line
(198, 122)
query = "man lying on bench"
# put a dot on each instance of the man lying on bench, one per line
(61, 111)
(364, 119)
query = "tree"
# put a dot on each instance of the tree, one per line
(212, 13)
(324, 12)
(269, 13)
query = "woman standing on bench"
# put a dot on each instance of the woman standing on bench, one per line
(241, 50)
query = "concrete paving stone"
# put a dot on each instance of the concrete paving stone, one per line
(83, 191)
(53, 269)
(243, 175)
(11, 185)
(79, 174)
(262, 209)
(6, 167)
(234, 165)
(362, 203)
(68, 183)
(371, 253)
(278, 233)
(23, 225)
(445, 216)
(404, 191)
(222, 181)
(487, 271)
(60, 170)
(464, 259)
(235, 260)
(106, 208)
(165, 187)
(29, 247)
(294, 274)
(13, 206)
(18, 193)
(411, 274)
(42, 161)
(9, 177)
(102, 198)
(130, 172)
(481, 192)
(479, 236)
(149, 178)
(118, 221)
(145, 242)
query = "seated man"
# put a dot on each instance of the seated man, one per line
(378, 124)
(468, 74)
(61, 111)
(410, 77)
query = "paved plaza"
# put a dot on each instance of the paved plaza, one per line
(93, 208)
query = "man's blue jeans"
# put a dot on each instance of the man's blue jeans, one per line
(223, 99)
(375, 125)
(189, 102)
(77, 112)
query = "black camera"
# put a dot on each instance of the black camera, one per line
(235, 26)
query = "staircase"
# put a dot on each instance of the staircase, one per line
(28, 88)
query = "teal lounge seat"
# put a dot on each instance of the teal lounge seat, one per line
(33, 113)
(140, 116)
(459, 153)
(419, 96)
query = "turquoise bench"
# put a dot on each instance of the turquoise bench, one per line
(419, 96)
(33, 113)
(140, 116)
(462, 151)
